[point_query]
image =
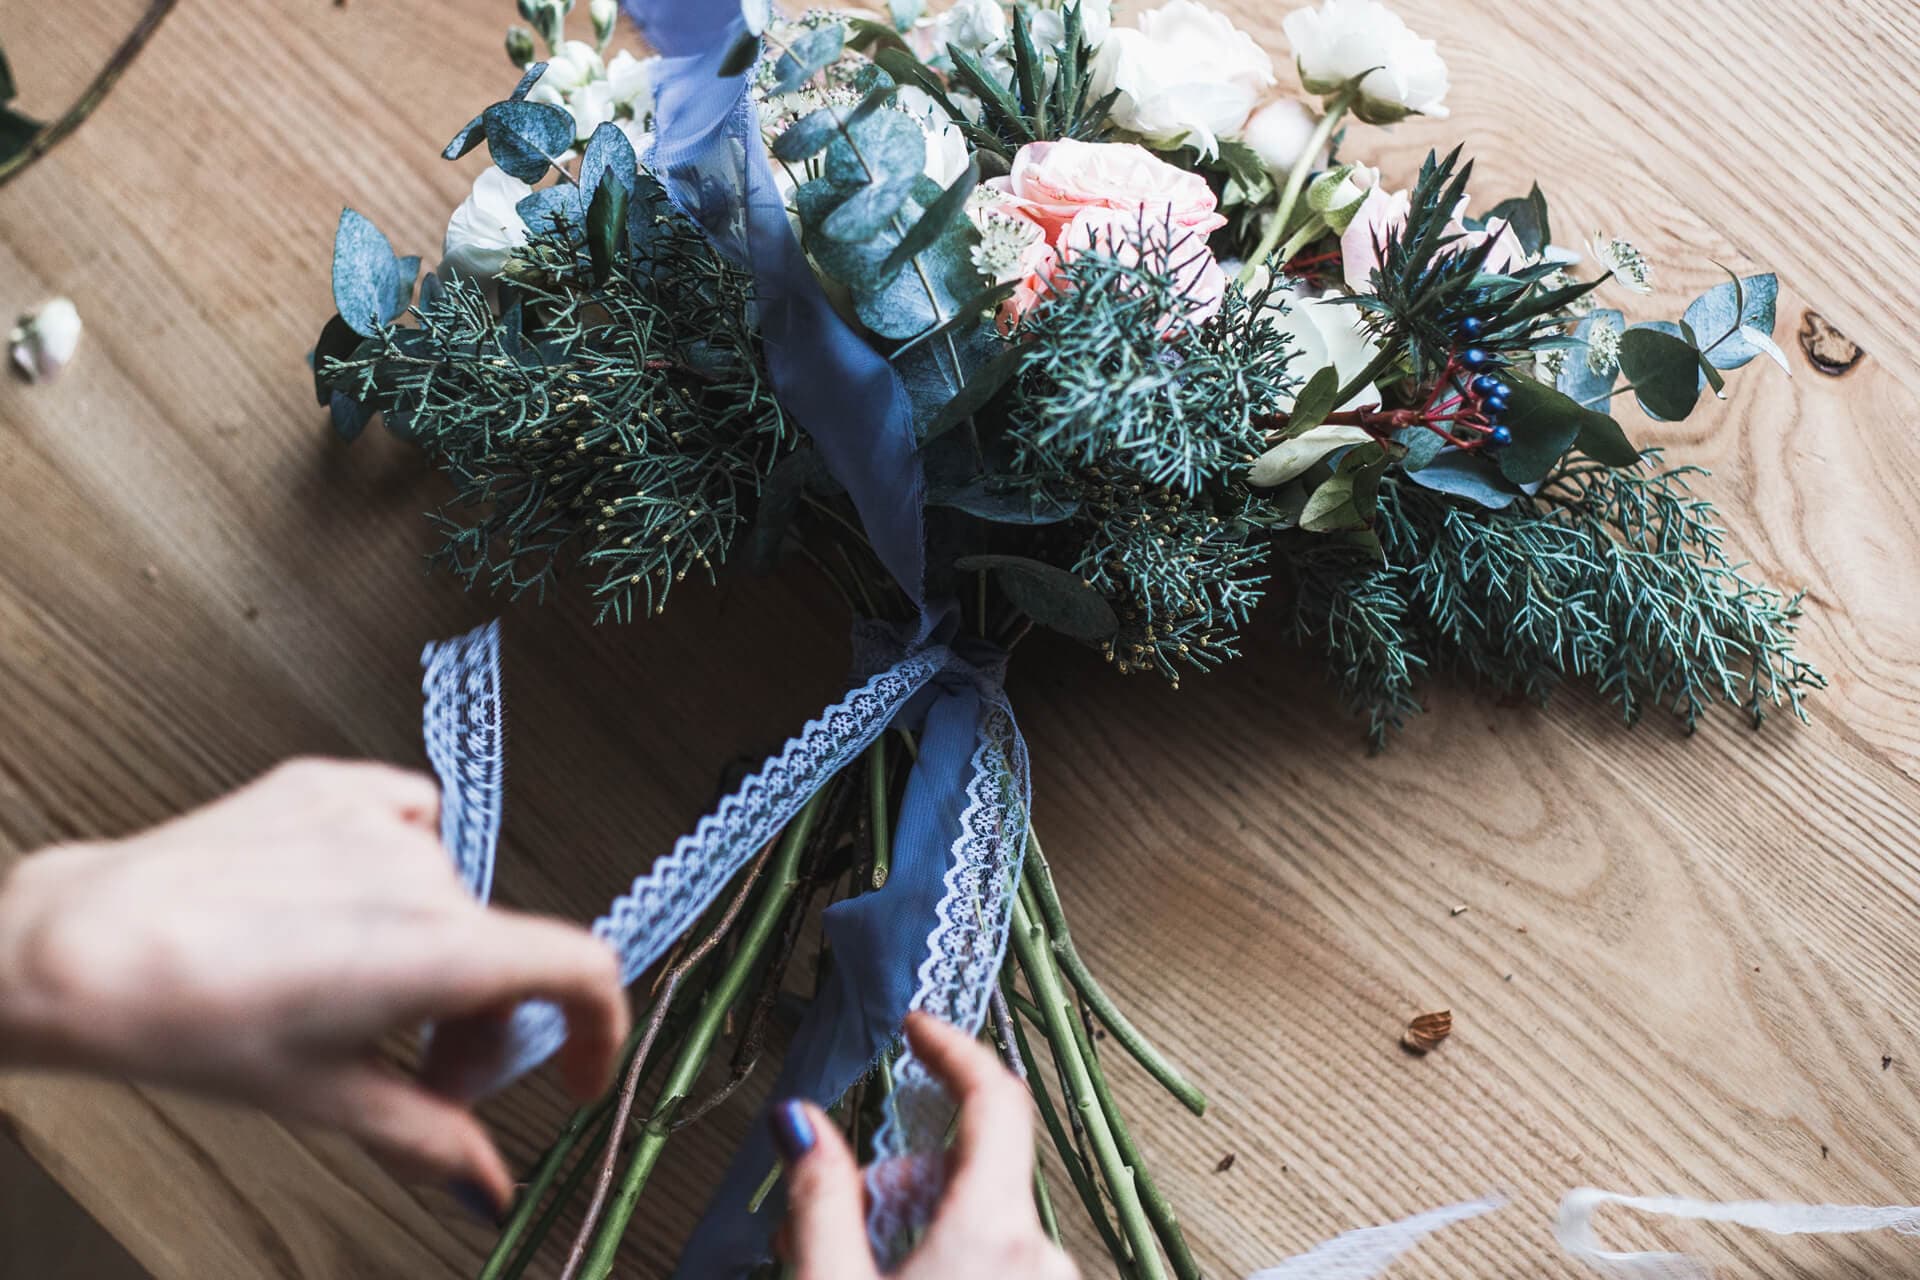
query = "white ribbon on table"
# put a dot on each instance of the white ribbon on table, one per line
(1364, 1254)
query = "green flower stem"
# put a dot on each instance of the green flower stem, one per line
(694, 1050)
(1040, 878)
(1337, 109)
(1036, 959)
(879, 819)
(1166, 1224)
(1043, 1201)
(1062, 1141)
(583, 1119)
(543, 1227)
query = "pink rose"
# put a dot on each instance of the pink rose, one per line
(1052, 181)
(1034, 284)
(1383, 215)
(1144, 239)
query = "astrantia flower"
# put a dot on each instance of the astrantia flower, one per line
(486, 228)
(1342, 39)
(1603, 348)
(1007, 240)
(43, 342)
(1185, 74)
(1628, 265)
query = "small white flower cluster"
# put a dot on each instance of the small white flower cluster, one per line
(594, 91)
(1004, 253)
(1603, 347)
(1628, 265)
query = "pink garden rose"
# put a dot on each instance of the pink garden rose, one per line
(1052, 181)
(1119, 199)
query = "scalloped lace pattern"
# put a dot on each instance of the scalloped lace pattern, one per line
(463, 735)
(956, 977)
(466, 745)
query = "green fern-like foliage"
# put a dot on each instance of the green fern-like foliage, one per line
(622, 424)
(1148, 426)
(1616, 576)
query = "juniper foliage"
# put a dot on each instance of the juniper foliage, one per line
(1148, 425)
(622, 425)
(1611, 575)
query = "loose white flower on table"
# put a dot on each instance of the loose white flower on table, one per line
(486, 228)
(1280, 134)
(1344, 39)
(1628, 265)
(43, 342)
(1185, 74)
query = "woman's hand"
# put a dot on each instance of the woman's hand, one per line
(260, 948)
(985, 1226)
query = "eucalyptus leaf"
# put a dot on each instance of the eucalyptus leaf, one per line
(1422, 447)
(1313, 402)
(7, 87)
(609, 153)
(17, 132)
(1765, 343)
(1544, 424)
(1719, 315)
(1050, 595)
(933, 223)
(526, 138)
(1664, 370)
(1469, 474)
(1527, 216)
(806, 56)
(350, 417)
(366, 274)
(475, 131)
(552, 209)
(909, 70)
(976, 391)
(865, 214)
(882, 146)
(1602, 439)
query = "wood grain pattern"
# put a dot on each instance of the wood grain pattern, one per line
(1683, 960)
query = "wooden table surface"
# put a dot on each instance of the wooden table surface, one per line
(1688, 965)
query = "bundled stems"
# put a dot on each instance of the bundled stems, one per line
(694, 1050)
(1040, 878)
(669, 987)
(1058, 1016)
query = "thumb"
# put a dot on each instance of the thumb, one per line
(826, 1220)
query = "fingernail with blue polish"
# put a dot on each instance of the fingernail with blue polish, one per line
(792, 1130)
(473, 1197)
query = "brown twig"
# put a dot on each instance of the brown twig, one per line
(668, 988)
(95, 93)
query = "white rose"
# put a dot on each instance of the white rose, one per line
(1343, 39)
(1279, 133)
(639, 135)
(1325, 334)
(978, 26)
(43, 342)
(572, 66)
(1184, 74)
(630, 80)
(947, 150)
(590, 106)
(486, 228)
(1096, 19)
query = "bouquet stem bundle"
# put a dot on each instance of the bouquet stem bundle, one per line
(726, 975)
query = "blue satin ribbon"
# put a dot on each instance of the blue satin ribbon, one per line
(709, 155)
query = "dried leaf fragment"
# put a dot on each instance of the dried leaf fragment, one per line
(1425, 1032)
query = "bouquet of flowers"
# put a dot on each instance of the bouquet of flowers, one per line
(1004, 318)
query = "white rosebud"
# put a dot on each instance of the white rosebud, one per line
(631, 80)
(1279, 133)
(1342, 39)
(43, 342)
(1185, 74)
(1628, 265)
(520, 47)
(605, 13)
(486, 228)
